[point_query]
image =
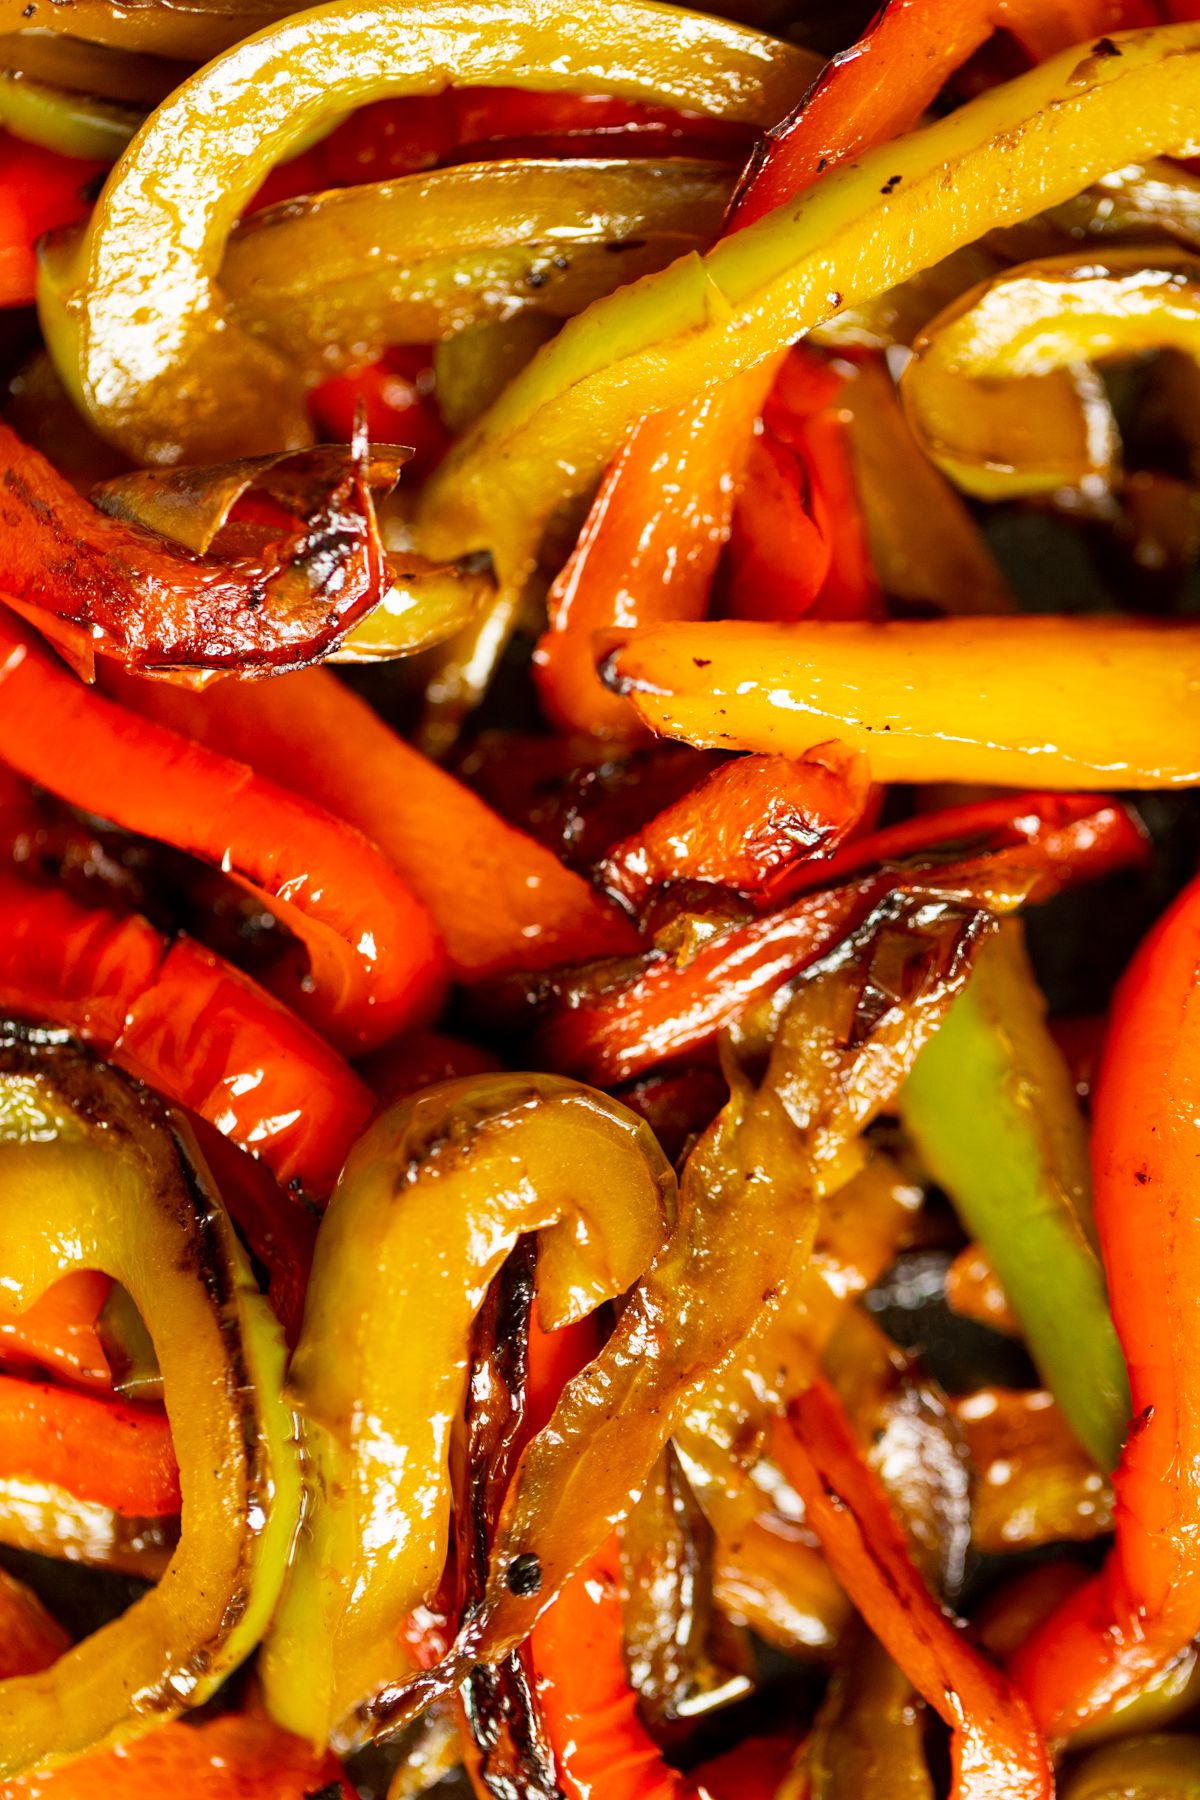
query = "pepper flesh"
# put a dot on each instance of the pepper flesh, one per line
(1013, 151)
(1127, 1623)
(995, 1118)
(106, 1451)
(133, 317)
(373, 960)
(431, 1201)
(1076, 702)
(105, 1182)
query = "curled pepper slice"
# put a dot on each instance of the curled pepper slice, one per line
(373, 962)
(994, 389)
(111, 1182)
(157, 607)
(190, 1025)
(864, 228)
(1127, 1623)
(430, 1203)
(1076, 702)
(132, 313)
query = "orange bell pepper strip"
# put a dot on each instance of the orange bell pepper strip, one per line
(58, 1332)
(670, 466)
(996, 1751)
(234, 1757)
(1124, 1626)
(374, 961)
(1075, 702)
(742, 825)
(30, 1640)
(187, 1024)
(499, 900)
(111, 1452)
(39, 191)
(610, 1026)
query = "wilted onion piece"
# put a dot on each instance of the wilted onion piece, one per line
(339, 277)
(1034, 1484)
(1002, 390)
(95, 583)
(868, 1737)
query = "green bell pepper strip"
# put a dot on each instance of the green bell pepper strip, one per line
(431, 1201)
(864, 228)
(132, 311)
(103, 1178)
(992, 1109)
(344, 275)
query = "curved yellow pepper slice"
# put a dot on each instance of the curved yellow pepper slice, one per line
(431, 1201)
(95, 1175)
(134, 315)
(864, 228)
(999, 389)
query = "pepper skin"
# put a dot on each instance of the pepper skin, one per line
(141, 599)
(500, 901)
(995, 1748)
(132, 313)
(430, 1203)
(371, 961)
(106, 1181)
(105, 1451)
(189, 1025)
(995, 1118)
(1068, 702)
(1126, 1624)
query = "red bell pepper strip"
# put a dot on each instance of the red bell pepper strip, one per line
(499, 900)
(30, 1640)
(39, 191)
(610, 1027)
(154, 605)
(654, 562)
(996, 1751)
(111, 1452)
(58, 1332)
(1139, 1613)
(745, 822)
(392, 400)
(235, 1757)
(374, 961)
(866, 95)
(187, 1024)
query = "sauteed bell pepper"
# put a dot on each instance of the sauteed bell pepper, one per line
(995, 1118)
(1161, 1767)
(104, 1450)
(132, 312)
(106, 1180)
(862, 229)
(1130, 1621)
(995, 1748)
(58, 1333)
(1076, 702)
(431, 1201)
(39, 190)
(29, 1638)
(186, 1023)
(747, 1214)
(72, 125)
(500, 902)
(1033, 1484)
(373, 963)
(993, 388)
(132, 595)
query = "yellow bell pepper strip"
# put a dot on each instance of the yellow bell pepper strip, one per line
(1165, 1766)
(864, 228)
(73, 124)
(994, 1115)
(112, 1182)
(430, 1203)
(747, 1214)
(1061, 702)
(994, 389)
(502, 902)
(132, 312)
(1033, 1483)
(346, 274)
